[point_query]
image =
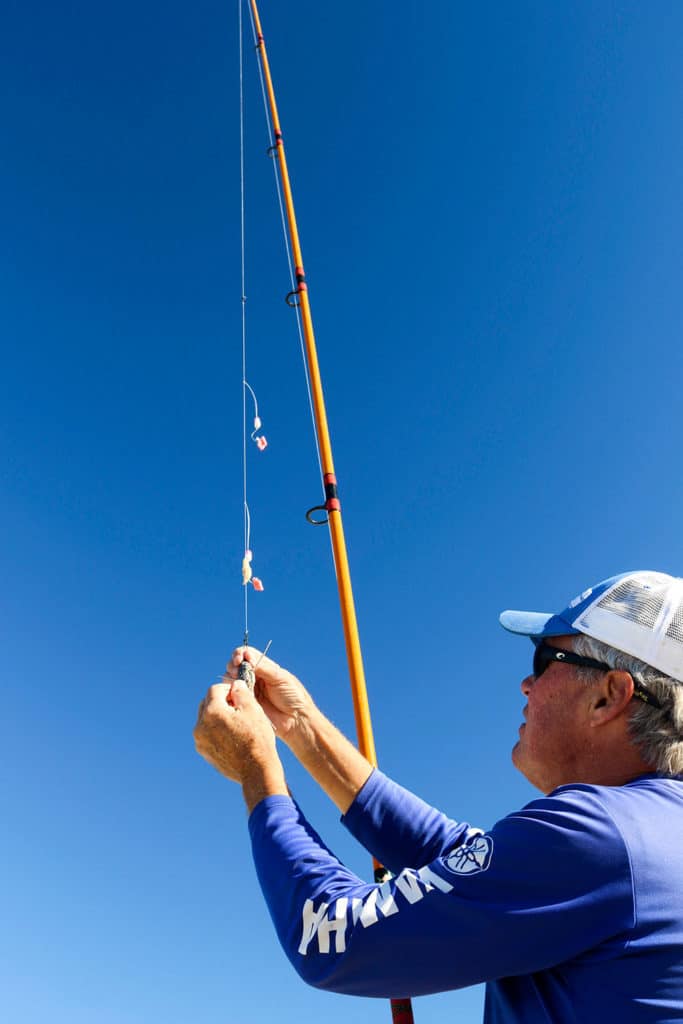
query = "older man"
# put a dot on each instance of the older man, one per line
(571, 908)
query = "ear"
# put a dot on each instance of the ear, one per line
(612, 696)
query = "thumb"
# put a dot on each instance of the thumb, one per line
(241, 696)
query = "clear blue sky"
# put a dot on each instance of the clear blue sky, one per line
(490, 206)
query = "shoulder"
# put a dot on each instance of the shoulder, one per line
(573, 826)
(561, 854)
(577, 805)
(594, 828)
(615, 808)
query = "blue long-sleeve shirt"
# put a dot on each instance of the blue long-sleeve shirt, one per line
(571, 909)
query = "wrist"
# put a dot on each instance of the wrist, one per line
(334, 762)
(261, 780)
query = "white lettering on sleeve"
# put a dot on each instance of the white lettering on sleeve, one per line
(386, 901)
(368, 914)
(408, 885)
(431, 880)
(381, 899)
(311, 919)
(412, 885)
(337, 925)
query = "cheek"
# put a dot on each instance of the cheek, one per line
(548, 714)
(545, 717)
(554, 718)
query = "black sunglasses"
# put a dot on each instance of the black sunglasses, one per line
(545, 655)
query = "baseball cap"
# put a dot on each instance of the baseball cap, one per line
(640, 613)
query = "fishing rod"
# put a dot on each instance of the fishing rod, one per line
(331, 508)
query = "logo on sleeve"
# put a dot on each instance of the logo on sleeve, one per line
(472, 856)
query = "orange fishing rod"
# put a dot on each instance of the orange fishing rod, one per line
(401, 1008)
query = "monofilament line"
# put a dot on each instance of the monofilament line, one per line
(288, 249)
(246, 517)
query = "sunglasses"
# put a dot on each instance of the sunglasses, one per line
(545, 655)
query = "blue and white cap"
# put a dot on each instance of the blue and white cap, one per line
(640, 613)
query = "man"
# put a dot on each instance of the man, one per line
(572, 908)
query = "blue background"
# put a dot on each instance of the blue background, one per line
(489, 203)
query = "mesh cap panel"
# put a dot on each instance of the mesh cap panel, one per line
(675, 628)
(642, 615)
(641, 606)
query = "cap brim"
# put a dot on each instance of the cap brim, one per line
(536, 624)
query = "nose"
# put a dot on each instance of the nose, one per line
(526, 684)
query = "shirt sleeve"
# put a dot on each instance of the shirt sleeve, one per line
(542, 887)
(398, 828)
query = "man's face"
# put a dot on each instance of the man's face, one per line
(553, 739)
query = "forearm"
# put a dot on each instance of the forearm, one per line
(394, 825)
(344, 935)
(262, 780)
(398, 828)
(333, 761)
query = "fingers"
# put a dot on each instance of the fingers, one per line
(225, 698)
(215, 713)
(232, 729)
(239, 655)
(241, 696)
(243, 699)
(277, 719)
(233, 733)
(266, 669)
(218, 694)
(217, 698)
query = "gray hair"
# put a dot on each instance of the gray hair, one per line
(658, 733)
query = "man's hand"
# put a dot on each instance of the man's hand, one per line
(233, 734)
(323, 751)
(282, 696)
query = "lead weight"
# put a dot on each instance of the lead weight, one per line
(246, 674)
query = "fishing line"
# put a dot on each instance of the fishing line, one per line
(246, 516)
(288, 248)
(401, 1008)
(260, 441)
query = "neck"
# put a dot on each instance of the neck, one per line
(622, 767)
